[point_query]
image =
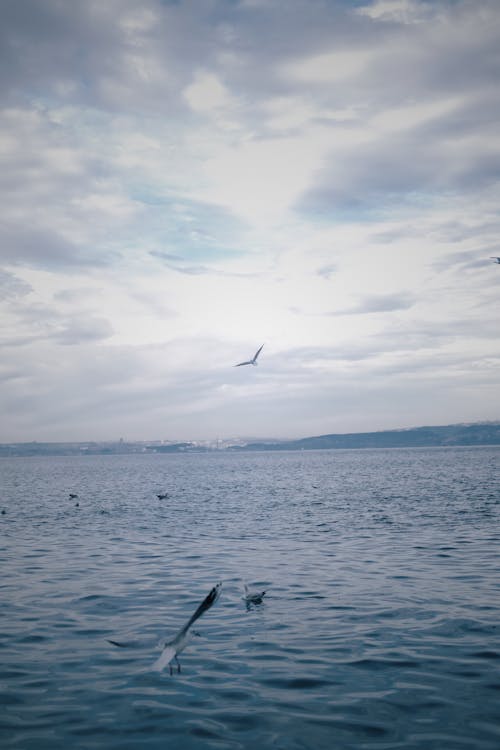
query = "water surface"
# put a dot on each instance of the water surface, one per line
(379, 628)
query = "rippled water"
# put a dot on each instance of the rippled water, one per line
(380, 628)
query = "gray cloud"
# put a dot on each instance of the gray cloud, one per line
(447, 232)
(413, 336)
(38, 322)
(45, 182)
(176, 263)
(121, 55)
(45, 248)
(396, 170)
(327, 271)
(70, 296)
(11, 286)
(451, 57)
(466, 260)
(139, 57)
(84, 330)
(378, 303)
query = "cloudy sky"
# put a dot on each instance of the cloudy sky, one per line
(184, 181)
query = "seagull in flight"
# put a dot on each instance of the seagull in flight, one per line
(174, 647)
(495, 258)
(252, 361)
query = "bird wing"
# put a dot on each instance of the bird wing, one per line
(165, 658)
(207, 602)
(117, 643)
(244, 363)
(134, 643)
(257, 353)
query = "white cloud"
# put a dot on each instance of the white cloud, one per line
(331, 67)
(206, 93)
(398, 11)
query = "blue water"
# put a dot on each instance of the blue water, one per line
(380, 628)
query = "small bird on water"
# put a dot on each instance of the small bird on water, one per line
(255, 597)
(162, 495)
(72, 496)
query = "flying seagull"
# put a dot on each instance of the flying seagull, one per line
(176, 645)
(495, 258)
(252, 361)
(255, 597)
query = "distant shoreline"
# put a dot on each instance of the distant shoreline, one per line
(464, 435)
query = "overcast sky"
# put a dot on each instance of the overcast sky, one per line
(185, 181)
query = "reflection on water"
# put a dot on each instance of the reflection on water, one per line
(379, 628)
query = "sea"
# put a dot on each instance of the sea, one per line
(379, 629)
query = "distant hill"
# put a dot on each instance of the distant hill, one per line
(486, 433)
(480, 433)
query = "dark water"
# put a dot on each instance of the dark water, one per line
(380, 628)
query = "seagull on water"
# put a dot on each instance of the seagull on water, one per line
(174, 647)
(252, 361)
(162, 495)
(495, 258)
(73, 495)
(253, 597)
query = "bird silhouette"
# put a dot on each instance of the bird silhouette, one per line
(252, 361)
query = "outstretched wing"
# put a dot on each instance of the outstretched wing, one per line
(244, 363)
(257, 353)
(134, 643)
(207, 602)
(117, 643)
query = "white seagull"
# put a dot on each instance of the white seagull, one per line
(252, 361)
(177, 644)
(174, 647)
(495, 258)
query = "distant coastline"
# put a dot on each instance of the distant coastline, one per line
(475, 434)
